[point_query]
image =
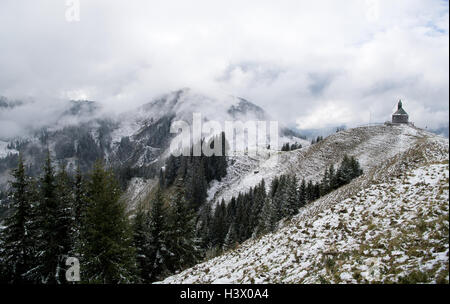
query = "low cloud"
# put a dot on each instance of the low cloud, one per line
(313, 63)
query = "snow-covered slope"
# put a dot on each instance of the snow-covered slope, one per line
(370, 145)
(389, 225)
(4, 150)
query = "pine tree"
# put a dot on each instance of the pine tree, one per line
(302, 194)
(171, 169)
(230, 238)
(204, 225)
(64, 220)
(310, 191)
(141, 243)
(281, 197)
(355, 168)
(50, 252)
(182, 242)
(267, 217)
(325, 183)
(256, 207)
(159, 254)
(332, 178)
(18, 237)
(290, 205)
(162, 182)
(78, 209)
(107, 255)
(196, 185)
(219, 228)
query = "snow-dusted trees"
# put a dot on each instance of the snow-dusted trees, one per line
(182, 241)
(158, 253)
(333, 179)
(267, 218)
(256, 212)
(141, 243)
(17, 242)
(107, 255)
(53, 214)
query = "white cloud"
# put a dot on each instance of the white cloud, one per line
(294, 58)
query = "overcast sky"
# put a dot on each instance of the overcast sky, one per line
(310, 63)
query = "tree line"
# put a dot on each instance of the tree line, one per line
(291, 147)
(258, 211)
(56, 216)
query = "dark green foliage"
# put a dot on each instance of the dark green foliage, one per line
(65, 224)
(289, 147)
(316, 140)
(347, 171)
(64, 148)
(50, 253)
(157, 132)
(106, 252)
(141, 244)
(196, 172)
(158, 253)
(80, 201)
(231, 238)
(255, 213)
(88, 150)
(219, 228)
(125, 149)
(182, 241)
(17, 249)
(267, 218)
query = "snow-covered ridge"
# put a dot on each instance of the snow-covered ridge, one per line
(370, 145)
(389, 225)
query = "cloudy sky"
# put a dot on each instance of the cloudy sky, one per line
(311, 63)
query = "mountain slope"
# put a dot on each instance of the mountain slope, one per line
(136, 138)
(370, 145)
(389, 225)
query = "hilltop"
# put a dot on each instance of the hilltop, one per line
(389, 225)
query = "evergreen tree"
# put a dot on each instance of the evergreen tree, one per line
(310, 191)
(204, 225)
(332, 178)
(290, 205)
(50, 252)
(107, 253)
(196, 185)
(141, 243)
(159, 254)
(281, 197)
(355, 168)
(78, 209)
(162, 182)
(256, 206)
(230, 238)
(316, 191)
(267, 217)
(302, 194)
(325, 183)
(219, 228)
(17, 240)
(171, 170)
(65, 225)
(182, 242)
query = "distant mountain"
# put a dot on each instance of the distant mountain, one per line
(134, 143)
(443, 131)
